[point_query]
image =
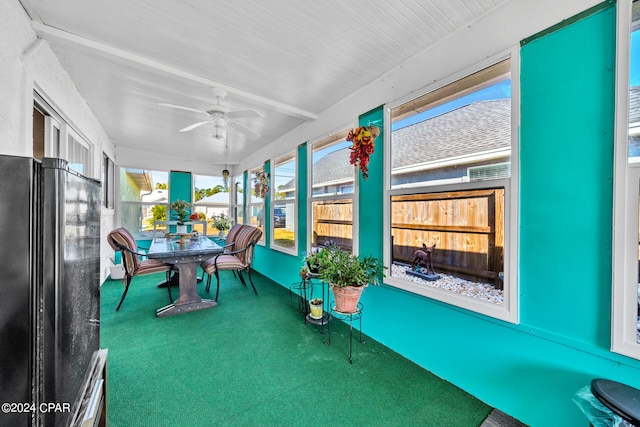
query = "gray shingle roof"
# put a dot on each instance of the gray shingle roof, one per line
(474, 128)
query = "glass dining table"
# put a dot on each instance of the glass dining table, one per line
(186, 257)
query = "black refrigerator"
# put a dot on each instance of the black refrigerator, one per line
(49, 288)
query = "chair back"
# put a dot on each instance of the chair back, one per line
(119, 238)
(231, 235)
(247, 237)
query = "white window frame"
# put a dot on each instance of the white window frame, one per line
(330, 197)
(626, 180)
(272, 187)
(508, 311)
(238, 204)
(109, 182)
(53, 129)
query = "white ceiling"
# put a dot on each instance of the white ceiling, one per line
(288, 60)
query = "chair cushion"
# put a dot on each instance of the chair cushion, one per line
(224, 262)
(149, 266)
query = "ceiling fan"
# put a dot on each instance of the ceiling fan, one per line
(221, 116)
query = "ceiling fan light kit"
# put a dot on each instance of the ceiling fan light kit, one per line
(220, 116)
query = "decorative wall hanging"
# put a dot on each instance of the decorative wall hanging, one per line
(362, 148)
(261, 184)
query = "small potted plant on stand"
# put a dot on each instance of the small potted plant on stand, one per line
(313, 260)
(348, 274)
(181, 214)
(221, 223)
(316, 308)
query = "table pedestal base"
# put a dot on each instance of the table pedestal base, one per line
(177, 308)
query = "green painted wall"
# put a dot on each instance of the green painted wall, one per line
(180, 186)
(370, 214)
(566, 169)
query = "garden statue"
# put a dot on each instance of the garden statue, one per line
(423, 257)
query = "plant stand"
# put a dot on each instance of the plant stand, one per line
(304, 292)
(356, 315)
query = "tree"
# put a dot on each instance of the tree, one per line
(201, 193)
(158, 213)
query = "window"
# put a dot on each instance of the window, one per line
(256, 203)
(108, 176)
(46, 129)
(332, 188)
(239, 198)
(78, 153)
(626, 256)
(211, 197)
(451, 193)
(144, 199)
(284, 203)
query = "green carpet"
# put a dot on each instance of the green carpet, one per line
(251, 361)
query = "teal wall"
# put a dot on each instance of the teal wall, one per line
(566, 169)
(180, 186)
(370, 213)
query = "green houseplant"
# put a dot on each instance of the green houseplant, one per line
(348, 274)
(221, 223)
(180, 213)
(313, 260)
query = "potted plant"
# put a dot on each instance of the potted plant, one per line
(348, 274)
(181, 214)
(316, 308)
(313, 260)
(221, 223)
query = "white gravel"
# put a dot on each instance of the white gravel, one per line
(481, 291)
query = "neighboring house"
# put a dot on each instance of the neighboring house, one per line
(213, 205)
(634, 123)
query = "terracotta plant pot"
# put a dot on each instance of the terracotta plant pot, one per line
(347, 298)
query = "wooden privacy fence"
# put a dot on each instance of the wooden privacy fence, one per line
(333, 220)
(466, 226)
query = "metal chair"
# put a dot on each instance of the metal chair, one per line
(122, 240)
(237, 257)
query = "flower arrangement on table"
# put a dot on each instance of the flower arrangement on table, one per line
(261, 184)
(362, 148)
(181, 209)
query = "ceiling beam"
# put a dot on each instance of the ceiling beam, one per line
(44, 29)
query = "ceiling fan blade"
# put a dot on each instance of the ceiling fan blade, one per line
(180, 107)
(242, 128)
(243, 113)
(193, 126)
